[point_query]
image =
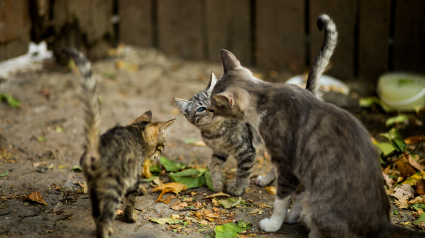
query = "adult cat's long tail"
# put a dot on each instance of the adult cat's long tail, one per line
(322, 59)
(91, 110)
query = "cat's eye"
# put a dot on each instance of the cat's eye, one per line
(201, 109)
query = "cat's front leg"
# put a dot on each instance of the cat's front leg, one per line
(245, 161)
(287, 183)
(266, 180)
(216, 162)
(128, 214)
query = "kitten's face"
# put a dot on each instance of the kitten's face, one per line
(195, 109)
(154, 134)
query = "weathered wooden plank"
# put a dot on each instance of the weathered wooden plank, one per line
(374, 34)
(409, 35)
(136, 22)
(229, 27)
(179, 28)
(15, 29)
(280, 37)
(343, 14)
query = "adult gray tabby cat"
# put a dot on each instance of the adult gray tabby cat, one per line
(314, 144)
(227, 136)
(112, 163)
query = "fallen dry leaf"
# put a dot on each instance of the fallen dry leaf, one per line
(175, 216)
(119, 212)
(405, 191)
(220, 194)
(35, 197)
(405, 169)
(36, 164)
(402, 203)
(256, 211)
(418, 199)
(388, 180)
(271, 189)
(215, 202)
(167, 200)
(177, 206)
(215, 209)
(146, 169)
(420, 187)
(413, 161)
(413, 140)
(169, 187)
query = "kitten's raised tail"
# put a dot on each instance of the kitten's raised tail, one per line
(323, 57)
(91, 110)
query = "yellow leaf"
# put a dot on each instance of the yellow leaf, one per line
(271, 190)
(175, 216)
(415, 177)
(146, 169)
(220, 194)
(418, 199)
(169, 187)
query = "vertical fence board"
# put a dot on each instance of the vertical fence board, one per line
(179, 28)
(374, 34)
(229, 27)
(136, 22)
(409, 36)
(343, 14)
(280, 35)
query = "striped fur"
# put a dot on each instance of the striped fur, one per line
(224, 136)
(323, 57)
(112, 163)
(314, 144)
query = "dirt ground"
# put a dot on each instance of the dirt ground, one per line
(44, 138)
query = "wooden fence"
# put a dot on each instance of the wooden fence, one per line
(375, 36)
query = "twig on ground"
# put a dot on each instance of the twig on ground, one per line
(7, 213)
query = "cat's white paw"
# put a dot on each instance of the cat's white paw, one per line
(262, 181)
(269, 225)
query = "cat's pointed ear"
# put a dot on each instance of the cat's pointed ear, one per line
(164, 125)
(225, 98)
(211, 84)
(229, 60)
(181, 104)
(147, 117)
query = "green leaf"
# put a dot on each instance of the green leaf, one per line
(190, 141)
(398, 119)
(230, 230)
(170, 165)
(41, 139)
(5, 173)
(192, 178)
(150, 179)
(59, 129)
(209, 180)
(418, 206)
(369, 101)
(420, 219)
(155, 168)
(168, 220)
(386, 148)
(11, 101)
(398, 144)
(77, 168)
(230, 202)
(395, 212)
(243, 224)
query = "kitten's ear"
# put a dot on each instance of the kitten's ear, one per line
(229, 60)
(147, 117)
(225, 98)
(164, 125)
(181, 104)
(211, 84)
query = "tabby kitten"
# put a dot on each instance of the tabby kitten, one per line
(112, 163)
(224, 136)
(314, 144)
(227, 136)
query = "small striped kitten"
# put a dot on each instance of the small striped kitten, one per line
(112, 163)
(228, 136)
